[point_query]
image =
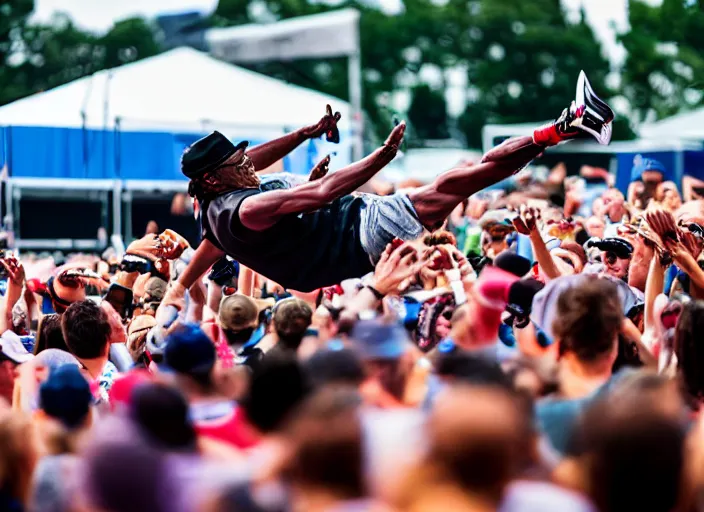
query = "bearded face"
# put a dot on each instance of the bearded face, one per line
(236, 173)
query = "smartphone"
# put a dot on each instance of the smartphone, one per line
(121, 300)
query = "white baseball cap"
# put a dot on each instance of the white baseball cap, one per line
(12, 348)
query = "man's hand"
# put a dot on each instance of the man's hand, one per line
(527, 220)
(327, 125)
(397, 266)
(390, 148)
(320, 170)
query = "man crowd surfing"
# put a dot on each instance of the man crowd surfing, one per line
(474, 344)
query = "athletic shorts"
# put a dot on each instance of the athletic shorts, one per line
(384, 218)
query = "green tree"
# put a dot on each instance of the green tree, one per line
(522, 59)
(428, 113)
(57, 53)
(523, 62)
(664, 68)
(13, 17)
(128, 40)
(384, 40)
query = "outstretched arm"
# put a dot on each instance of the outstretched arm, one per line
(267, 154)
(204, 257)
(262, 211)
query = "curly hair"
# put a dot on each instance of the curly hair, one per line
(689, 350)
(588, 319)
(440, 237)
(235, 173)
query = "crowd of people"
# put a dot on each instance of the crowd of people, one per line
(534, 348)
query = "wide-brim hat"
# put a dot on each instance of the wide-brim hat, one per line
(208, 153)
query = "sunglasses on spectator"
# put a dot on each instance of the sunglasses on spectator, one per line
(612, 257)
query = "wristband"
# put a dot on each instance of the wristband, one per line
(377, 293)
(546, 136)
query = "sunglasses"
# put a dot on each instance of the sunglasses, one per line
(612, 257)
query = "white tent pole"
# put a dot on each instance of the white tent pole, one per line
(117, 208)
(354, 63)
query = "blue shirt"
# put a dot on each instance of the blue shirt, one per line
(558, 418)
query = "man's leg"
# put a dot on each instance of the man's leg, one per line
(434, 203)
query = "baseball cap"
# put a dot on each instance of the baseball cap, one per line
(189, 351)
(620, 247)
(207, 154)
(238, 312)
(123, 386)
(154, 289)
(521, 294)
(513, 263)
(66, 395)
(292, 317)
(12, 348)
(377, 339)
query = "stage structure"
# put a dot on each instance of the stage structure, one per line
(318, 36)
(96, 152)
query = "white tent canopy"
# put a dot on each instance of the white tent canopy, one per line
(689, 125)
(329, 34)
(180, 90)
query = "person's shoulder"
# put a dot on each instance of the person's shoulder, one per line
(550, 407)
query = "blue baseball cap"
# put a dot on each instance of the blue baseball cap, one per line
(66, 395)
(642, 164)
(377, 339)
(189, 351)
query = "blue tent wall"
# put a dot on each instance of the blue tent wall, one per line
(3, 150)
(40, 152)
(625, 165)
(694, 164)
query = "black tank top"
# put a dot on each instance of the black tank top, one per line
(300, 252)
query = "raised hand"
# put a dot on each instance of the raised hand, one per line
(172, 244)
(149, 246)
(320, 170)
(463, 264)
(15, 270)
(174, 296)
(396, 266)
(527, 220)
(691, 243)
(393, 141)
(327, 125)
(396, 136)
(662, 224)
